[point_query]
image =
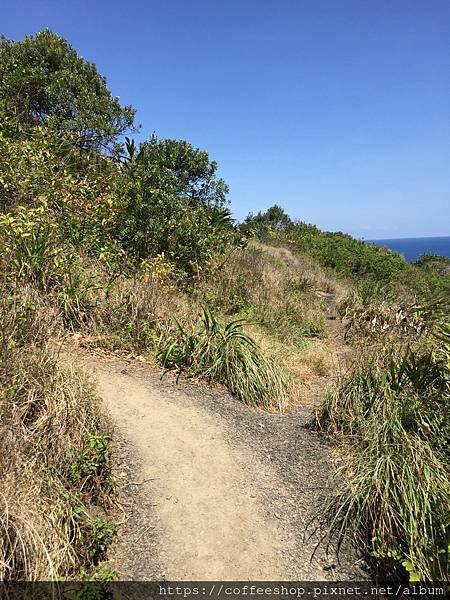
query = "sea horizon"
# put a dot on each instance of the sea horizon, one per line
(414, 247)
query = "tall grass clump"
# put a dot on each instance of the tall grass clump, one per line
(391, 413)
(225, 354)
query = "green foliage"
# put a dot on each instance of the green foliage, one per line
(165, 198)
(227, 355)
(99, 574)
(36, 254)
(96, 535)
(90, 467)
(152, 222)
(392, 411)
(103, 533)
(44, 81)
(171, 203)
(43, 171)
(95, 584)
(273, 221)
(346, 255)
(32, 170)
(33, 250)
(176, 167)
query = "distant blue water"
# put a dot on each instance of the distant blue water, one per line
(412, 248)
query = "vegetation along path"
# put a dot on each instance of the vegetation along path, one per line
(215, 490)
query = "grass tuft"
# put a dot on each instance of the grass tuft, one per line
(225, 354)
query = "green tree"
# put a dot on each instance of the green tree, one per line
(177, 167)
(172, 203)
(274, 220)
(44, 81)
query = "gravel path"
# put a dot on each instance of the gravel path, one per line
(213, 489)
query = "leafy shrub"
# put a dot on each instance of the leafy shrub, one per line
(37, 256)
(34, 252)
(166, 211)
(90, 466)
(43, 171)
(269, 224)
(225, 354)
(177, 168)
(346, 255)
(97, 535)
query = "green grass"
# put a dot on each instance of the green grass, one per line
(391, 414)
(225, 354)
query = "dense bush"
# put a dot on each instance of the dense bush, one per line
(346, 255)
(170, 202)
(273, 222)
(176, 167)
(153, 222)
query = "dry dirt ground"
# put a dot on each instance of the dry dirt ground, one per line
(212, 489)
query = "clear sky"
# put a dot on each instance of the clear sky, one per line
(338, 110)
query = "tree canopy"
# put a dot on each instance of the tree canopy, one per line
(43, 81)
(275, 219)
(177, 167)
(172, 203)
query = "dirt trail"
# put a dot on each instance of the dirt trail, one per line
(227, 491)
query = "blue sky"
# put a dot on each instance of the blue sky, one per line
(339, 110)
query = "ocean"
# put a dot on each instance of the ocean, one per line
(412, 248)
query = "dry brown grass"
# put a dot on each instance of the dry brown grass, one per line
(284, 298)
(283, 295)
(269, 285)
(46, 411)
(131, 312)
(303, 265)
(308, 367)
